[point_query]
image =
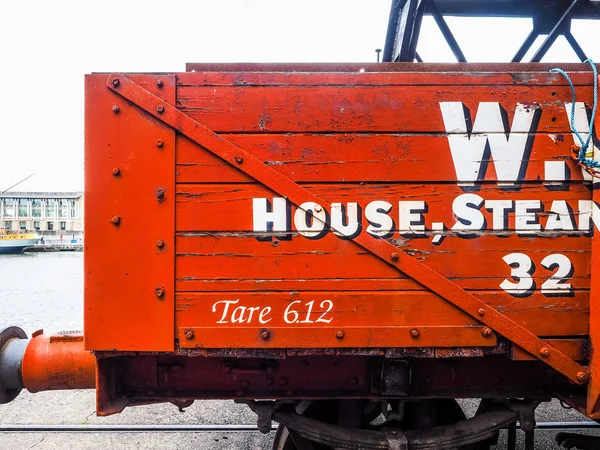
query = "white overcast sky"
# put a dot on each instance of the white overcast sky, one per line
(46, 47)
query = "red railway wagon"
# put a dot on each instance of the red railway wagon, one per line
(361, 245)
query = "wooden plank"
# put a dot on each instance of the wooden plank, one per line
(229, 207)
(451, 77)
(327, 337)
(371, 309)
(197, 283)
(576, 349)
(364, 158)
(473, 263)
(397, 109)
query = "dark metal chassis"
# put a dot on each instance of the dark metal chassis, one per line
(134, 379)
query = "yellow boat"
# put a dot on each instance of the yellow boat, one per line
(16, 242)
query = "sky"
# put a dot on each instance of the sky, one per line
(47, 47)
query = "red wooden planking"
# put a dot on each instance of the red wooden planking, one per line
(472, 263)
(285, 186)
(357, 157)
(542, 315)
(576, 349)
(451, 76)
(195, 282)
(416, 109)
(121, 310)
(228, 207)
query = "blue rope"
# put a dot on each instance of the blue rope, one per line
(582, 158)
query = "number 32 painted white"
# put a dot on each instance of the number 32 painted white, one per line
(522, 269)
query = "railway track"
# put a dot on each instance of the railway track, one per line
(31, 428)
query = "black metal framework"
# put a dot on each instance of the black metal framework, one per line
(550, 17)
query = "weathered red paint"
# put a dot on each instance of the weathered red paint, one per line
(288, 119)
(185, 239)
(593, 394)
(124, 220)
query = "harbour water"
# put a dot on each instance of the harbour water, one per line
(42, 291)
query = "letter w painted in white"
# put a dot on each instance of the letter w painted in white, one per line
(468, 151)
(582, 124)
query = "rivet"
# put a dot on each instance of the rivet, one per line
(283, 381)
(481, 312)
(159, 83)
(159, 143)
(116, 220)
(116, 171)
(265, 335)
(160, 194)
(583, 376)
(189, 334)
(575, 148)
(415, 333)
(394, 256)
(239, 159)
(486, 332)
(115, 82)
(318, 208)
(340, 334)
(160, 109)
(160, 243)
(116, 109)
(160, 292)
(545, 352)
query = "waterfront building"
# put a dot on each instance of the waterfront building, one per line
(48, 213)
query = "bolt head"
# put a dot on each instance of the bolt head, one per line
(116, 220)
(159, 83)
(481, 312)
(318, 208)
(160, 292)
(160, 194)
(116, 109)
(486, 332)
(415, 333)
(159, 143)
(340, 334)
(265, 335)
(160, 243)
(115, 82)
(116, 171)
(160, 109)
(545, 352)
(583, 376)
(189, 334)
(239, 159)
(394, 256)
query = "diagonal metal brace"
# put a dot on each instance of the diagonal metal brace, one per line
(286, 187)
